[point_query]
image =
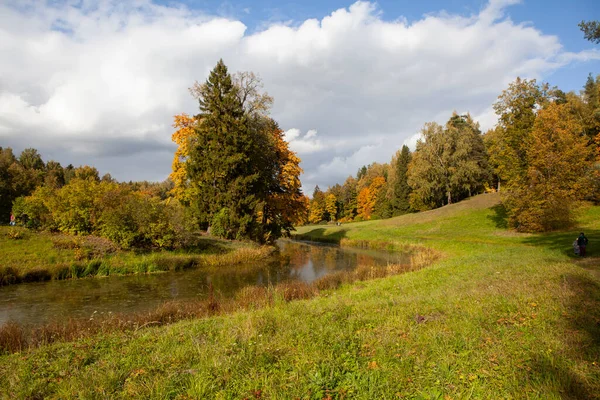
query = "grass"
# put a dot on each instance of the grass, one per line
(27, 256)
(501, 315)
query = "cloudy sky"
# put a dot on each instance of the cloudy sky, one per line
(98, 82)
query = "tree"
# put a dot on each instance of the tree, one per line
(184, 138)
(449, 163)
(55, 175)
(590, 112)
(219, 165)
(428, 171)
(233, 165)
(398, 190)
(331, 206)
(348, 199)
(317, 208)
(7, 190)
(367, 198)
(283, 204)
(591, 30)
(516, 108)
(28, 172)
(559, 163)
(31, 159)
(469, 159)
(86, 172)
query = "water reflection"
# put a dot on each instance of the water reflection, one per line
(36, 303)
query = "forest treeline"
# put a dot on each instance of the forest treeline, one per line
(233, 175)
(542, 155)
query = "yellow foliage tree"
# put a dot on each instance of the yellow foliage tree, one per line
(331, 206)
(183, 137)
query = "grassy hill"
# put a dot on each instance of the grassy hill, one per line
(501, 315)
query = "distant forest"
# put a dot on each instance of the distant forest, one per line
(542, 155)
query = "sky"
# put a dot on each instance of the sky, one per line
(98, 82)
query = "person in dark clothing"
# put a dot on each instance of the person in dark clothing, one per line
(582, 242)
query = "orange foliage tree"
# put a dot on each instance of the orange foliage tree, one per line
(367, 197)
(285, 205)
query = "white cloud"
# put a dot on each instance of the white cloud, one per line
(303, 144)
(98, 83)
(411, 142)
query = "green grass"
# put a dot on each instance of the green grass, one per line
(27, 256)
(502, 315)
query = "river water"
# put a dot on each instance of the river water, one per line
(40, 302)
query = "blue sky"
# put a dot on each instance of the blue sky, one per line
(98, 82)
(554, 17)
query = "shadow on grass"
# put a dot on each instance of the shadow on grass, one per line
(319, 235)
(500, 217)
(563, 242)
(580, 381)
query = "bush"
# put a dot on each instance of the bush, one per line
(115, 212)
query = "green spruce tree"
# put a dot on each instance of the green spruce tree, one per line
(399, 190)
(220, 164)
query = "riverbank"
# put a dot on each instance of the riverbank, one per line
(502, 315)
(29, 256)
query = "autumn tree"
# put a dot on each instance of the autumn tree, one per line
(184, 138)
(19, 176)
(317, 208)
(449, 163)
(282, 204)
(331, 206)
(55, 175)
(428, 170)
(367, 198)
(516, 109)
(559, 161)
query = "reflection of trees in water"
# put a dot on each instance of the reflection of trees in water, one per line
(295, 256)
(230, 280)
(319, 258)
(332, 257)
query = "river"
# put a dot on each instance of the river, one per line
(40, 302)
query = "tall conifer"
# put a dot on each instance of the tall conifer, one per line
(219, 165)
